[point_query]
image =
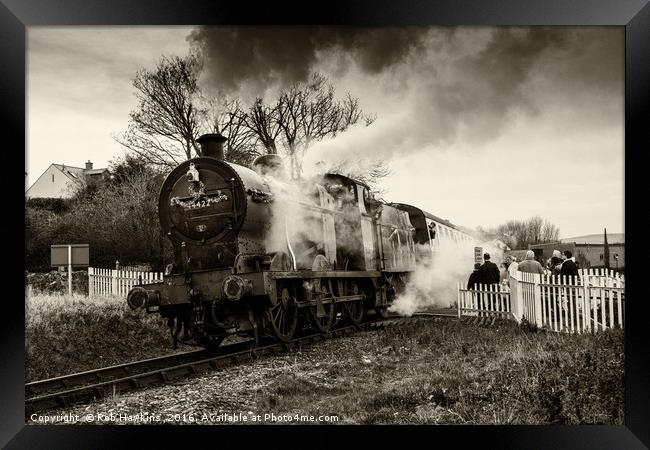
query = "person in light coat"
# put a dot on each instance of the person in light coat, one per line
(529, 265)
(513, 267)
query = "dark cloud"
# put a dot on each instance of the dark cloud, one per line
(448, 82)
(472, 84)
(265, 56)
(487, 85)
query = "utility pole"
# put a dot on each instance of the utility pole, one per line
(606, 251)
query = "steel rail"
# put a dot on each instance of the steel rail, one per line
(40, 387)
(95, 384)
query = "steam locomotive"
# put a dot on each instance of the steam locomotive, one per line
(260, 257)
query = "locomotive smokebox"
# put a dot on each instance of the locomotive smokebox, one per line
(212, 145)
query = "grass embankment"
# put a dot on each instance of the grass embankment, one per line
(450, 372)
(67, 334)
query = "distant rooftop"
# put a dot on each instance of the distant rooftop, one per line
(612, 238)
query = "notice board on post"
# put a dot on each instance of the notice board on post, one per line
(478, 255)
(80, 254)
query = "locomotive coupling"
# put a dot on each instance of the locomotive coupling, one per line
(140, 297)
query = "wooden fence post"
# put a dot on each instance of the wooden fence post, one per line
(587, 302)
(515, 297)
(537, 299)
(458, 300)
(91, 281)
(113, 273)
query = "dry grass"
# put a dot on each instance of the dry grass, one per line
(67, 334)
(437, 372)
(448, 372)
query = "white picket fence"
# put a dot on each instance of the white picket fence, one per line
(592, 301)
(106, 282)
(485, 300)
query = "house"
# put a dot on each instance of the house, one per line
(588, 250)
(60, 181)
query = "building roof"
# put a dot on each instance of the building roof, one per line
(94, 171)
(612, 238)
(74, 173)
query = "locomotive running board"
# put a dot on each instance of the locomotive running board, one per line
(325, 274)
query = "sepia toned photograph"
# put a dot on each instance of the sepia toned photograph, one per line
(305, 225)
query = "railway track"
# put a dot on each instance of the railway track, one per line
(93, 385)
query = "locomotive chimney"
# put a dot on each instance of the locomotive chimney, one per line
(212, 145)
(89, 165)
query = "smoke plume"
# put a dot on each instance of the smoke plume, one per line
(467, 86)
(431, 87)
(256, 57)
(434, 282)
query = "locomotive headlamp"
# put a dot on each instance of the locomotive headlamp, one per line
(137, 298)
(140, 297)
(235, 287)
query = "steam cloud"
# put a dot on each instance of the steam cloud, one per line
(433, 284)
(444, 84)
(259, 57)
(470, 85)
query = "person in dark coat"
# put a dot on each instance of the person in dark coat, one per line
(489, 272)
(474, 277)
(569, 266)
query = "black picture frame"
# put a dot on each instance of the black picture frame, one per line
(634, 15)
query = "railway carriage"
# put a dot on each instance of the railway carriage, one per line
(253, 259)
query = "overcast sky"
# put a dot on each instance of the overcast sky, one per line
(478, 125)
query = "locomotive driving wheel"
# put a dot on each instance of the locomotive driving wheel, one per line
(323, 323)
(283, 316)
(353, 310)
(381, 311)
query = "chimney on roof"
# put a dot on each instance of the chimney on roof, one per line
(89, 165)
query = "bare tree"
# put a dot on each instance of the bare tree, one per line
(164, 126)
(172, 112)
(518, 234)
(534, 225)
(228, 117)
(550, 233)
(302, 114)
(369, 174)
(262, 120)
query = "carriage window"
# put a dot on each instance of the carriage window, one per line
(361, 197)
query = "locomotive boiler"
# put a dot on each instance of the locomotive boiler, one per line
(258, 256)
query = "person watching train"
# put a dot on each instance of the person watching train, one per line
(569, 266)
(474, 277)
(513, 267)
(556, 263)
(489, 272)
(530, 265)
